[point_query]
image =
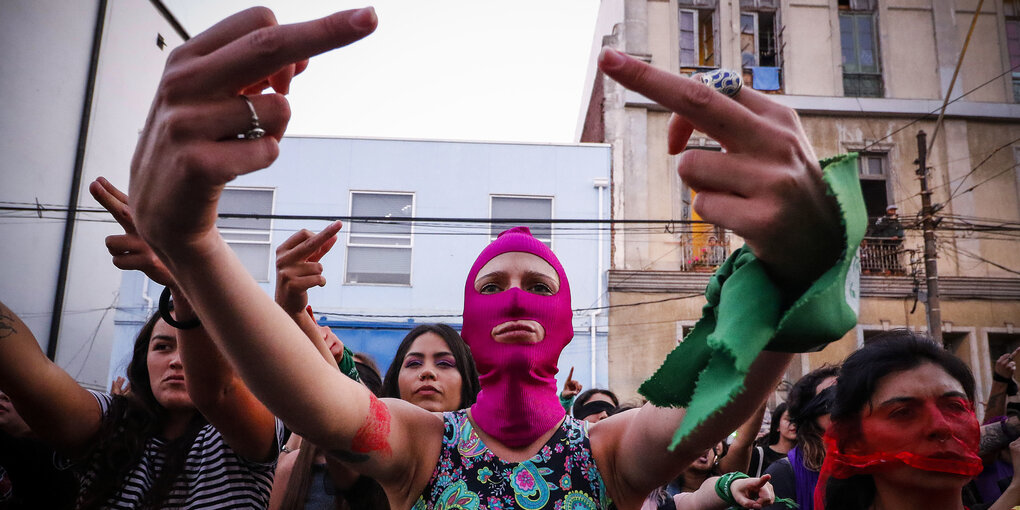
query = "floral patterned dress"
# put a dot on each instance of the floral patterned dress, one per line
(561, 476)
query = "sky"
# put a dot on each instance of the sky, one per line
(438, 69)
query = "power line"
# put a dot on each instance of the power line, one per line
(961, 251)
(398, 221)
(929, 114)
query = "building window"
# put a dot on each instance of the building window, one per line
(1012, 11)
(759, 44)
(872, 168)
(697, 39)
(251, 236)
(862, 71)
(882, 249)
(514, 209)
(379, 252)
(758, 39)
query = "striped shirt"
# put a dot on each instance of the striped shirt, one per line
(214, 476)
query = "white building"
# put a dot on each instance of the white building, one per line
(76, 80)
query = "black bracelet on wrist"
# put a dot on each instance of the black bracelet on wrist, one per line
(166, 305)
(997, 377)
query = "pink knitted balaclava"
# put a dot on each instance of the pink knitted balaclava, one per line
(518, 401)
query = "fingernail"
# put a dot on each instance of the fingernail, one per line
(611, 59)
(364, 19)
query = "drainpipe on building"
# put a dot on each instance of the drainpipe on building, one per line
(600, 184)
(147, 298)
(72, 201)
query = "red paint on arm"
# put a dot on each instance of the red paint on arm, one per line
(373, 436)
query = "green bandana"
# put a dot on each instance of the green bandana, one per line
(347, 365)
(744, 315)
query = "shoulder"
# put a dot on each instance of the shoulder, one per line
(783, 481)
(780, 467)
(105, 401)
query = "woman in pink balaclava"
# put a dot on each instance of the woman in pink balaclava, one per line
(514, 447)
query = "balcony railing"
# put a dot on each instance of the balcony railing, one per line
(882, 256)
(703, 252)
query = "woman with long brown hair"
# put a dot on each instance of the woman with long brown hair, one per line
(795, 477)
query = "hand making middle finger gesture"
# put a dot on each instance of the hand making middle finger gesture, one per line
(298, 268)
(129, 250)
(1005, 366)
(190, 146)
(766, 187)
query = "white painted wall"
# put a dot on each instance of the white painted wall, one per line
(45, 51)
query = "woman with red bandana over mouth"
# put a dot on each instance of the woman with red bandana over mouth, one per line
(904, 434)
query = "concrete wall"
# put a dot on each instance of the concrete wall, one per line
(45, 48)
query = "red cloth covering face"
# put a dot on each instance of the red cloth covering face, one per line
(936, 434)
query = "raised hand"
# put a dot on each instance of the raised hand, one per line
(120, 386)
(571, 387)
(190, 149)
(753, 492)
(298, 268)
(1005, 366)
(767, 187)
(129, 250)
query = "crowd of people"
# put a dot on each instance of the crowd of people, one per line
(234, 399)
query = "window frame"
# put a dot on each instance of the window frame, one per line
(698, 12)
(268, 243)
(755, 13)
(696, 38)
(1015, 73)
(351, 234)
(854, 16)
(552, 214)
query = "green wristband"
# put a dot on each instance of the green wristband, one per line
(347, 365)
(723, 487)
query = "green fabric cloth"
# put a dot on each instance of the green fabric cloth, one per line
(347, 365)
(744, 315)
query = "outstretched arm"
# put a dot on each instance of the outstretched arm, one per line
(297, 270)
(738, 456)
(767, 179)
(187, 152)
(746, 492)
(1003, 371)
(54, 406)
(634, 445)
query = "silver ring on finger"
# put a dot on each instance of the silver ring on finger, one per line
(255, 130)
(726, 81)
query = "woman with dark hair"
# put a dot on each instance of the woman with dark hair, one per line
(163, 445)
(595, 405)
(795, 476)
(904, 433)
(189, 433)
(782, 437)
(433, 369)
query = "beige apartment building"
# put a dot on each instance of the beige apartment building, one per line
(866, 76)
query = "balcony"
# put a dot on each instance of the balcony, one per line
(882, 256)
(703, 252)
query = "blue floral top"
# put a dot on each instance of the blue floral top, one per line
(561, 476)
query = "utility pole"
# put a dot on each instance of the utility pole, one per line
(931, 270)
